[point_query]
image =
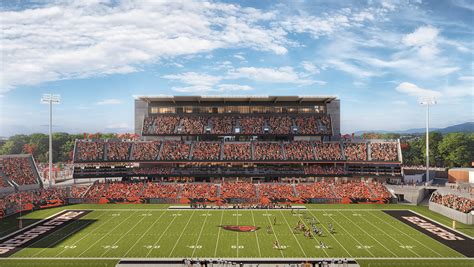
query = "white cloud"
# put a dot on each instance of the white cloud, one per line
(413, 90)
(273, 75)
(309, 67)
(70, 39)
(423, 36)
(193, 78)
(240, 57)
(466, 78)
(110, 101)
(400, 102)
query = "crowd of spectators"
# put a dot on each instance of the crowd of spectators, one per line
(146, 150)
(159, 190)
(123, 190)
(267, 151)
(199, 190)
(328, 151)
(352, 189)
(323, 169)
(175, 150)
(280, 124)
(89, 150)
(379, 190)
(355, 151)
(299, 150)
(237, 151)
(118, 151)
(222, 124)
(193, 124)
(19, 169)
(206, 151)
(78, 191)
(96, 190)
(162, 124)
(238, 190)
(320, 189)
(458, 203)
(251, 124)
(211, 150)
(384, 151)
(276, 190)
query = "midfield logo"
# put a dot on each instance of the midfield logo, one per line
(240, 228)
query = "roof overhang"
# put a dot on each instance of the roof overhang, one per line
(249, 99)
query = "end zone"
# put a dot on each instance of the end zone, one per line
(453, 239)
(30, 234)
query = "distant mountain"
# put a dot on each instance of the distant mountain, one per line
(467, 127)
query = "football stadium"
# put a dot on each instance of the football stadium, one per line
(231, 181)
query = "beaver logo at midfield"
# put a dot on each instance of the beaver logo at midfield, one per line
(240, 228)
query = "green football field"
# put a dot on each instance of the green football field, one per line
(112, 232)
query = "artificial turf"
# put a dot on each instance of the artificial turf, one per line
(111, 232)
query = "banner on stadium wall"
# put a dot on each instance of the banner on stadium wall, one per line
(129, 200)
(50, 203)
(347, 200)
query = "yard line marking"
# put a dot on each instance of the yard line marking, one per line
(405, 233)
(378, 228)
(322, 224)
(162, 234)
(88, 234)
(297, 241)
(256, 236)
(325, 252)
(271, 225)
(62, 238)
(200, 233)
(218, 234)
(182, 232)
(330, 217)
(143, 234)
(103, 236)
(376, 240)
(123, 235)
(237, 233)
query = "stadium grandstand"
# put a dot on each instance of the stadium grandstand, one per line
(261, 166)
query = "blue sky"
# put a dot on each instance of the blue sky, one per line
(378, 57)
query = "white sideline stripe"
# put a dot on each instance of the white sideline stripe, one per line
(411, 237)
(236, 259)
(297, 241)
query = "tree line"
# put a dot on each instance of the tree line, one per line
(450, 150)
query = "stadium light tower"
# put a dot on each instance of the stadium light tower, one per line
(50, 99)
(428, 101)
